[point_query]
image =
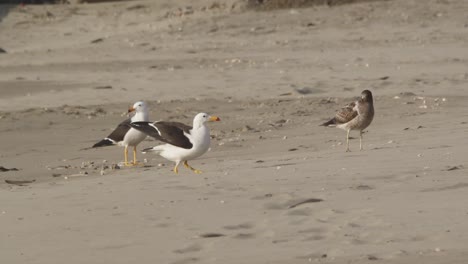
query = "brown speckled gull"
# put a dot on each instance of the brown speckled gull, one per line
(357, 115)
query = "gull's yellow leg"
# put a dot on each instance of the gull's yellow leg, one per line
(190, 167)
(126, 157)
(135, 162)
(360, 140)
(176, 171)
(347, 141)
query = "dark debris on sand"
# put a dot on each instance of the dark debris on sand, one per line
(3, 169)
(264, 5)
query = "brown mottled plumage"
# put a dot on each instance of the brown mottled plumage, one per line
(355, 116)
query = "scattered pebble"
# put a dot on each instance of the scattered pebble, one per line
(304, 90)
(87, 164)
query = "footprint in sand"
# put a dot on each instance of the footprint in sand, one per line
(239, 226)
(244, 236)
(189, 249)
(292, 203)
(243, 226)
(315, 238)
(300, 212)
(186, 261)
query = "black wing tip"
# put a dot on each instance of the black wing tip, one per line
(329, 122)
(103, 143)
(146, 150)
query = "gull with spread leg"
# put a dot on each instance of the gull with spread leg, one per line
(125, 135)
(357, 115)
(182, 142)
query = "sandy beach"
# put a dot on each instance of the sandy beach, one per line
(277, 187)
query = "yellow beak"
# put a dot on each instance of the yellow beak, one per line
(214, 118)
(131, 109)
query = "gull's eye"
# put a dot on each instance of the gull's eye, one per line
(139, 105)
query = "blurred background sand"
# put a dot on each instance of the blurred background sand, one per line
(272, 72)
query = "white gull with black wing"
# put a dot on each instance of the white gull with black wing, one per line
(183, 142)
(125, 135)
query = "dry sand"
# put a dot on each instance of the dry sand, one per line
(71, 71)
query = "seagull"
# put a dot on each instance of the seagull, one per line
(125, 135)
(357, 115)
(183, 142)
